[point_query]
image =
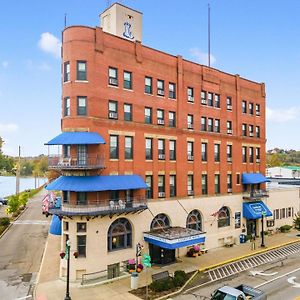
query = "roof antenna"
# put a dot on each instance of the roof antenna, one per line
(208, 34)
(65, 20)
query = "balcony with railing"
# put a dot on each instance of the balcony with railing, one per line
(101, 207)
(256, 195)
(88, 162)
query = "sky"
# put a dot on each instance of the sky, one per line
(259, 40)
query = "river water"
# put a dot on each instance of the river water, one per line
(8, 184)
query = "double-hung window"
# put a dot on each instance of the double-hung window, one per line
(210, 99)
(244, 129)
(190, 121)
(229, 153)
(149, 154)
(113, 76)
(160, 117)
(257, 109)
(190, 185)
(190, 151)
(229, 183)
(112, 109)
(204, 151)
(128, 147)
(229, 127)
(210, 127)
(203, 97)
(172, 90)
(172, 179)
(244, 106)
(244, 154)
(161, 149)
(172, 119)
(172, 149)
(148, 115)
(67, 106)
(251, 108)
(229, 103)
(251, 130)
(67, 76)
(217, 125)
(251, 155)
(203, 124)
(127, 112)
(217, 100)
(217, 152)
(81, 245)
(149, 190)
(190, 94)
(81, 106)
(127, 84)
(204, 184)
(257, 129)
(148, 85)
(161, 186)
(257, 155)
(217, 183)
(81, 70)
(160, 87)
(114, 147)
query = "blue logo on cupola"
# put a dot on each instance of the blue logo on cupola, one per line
(127, 32)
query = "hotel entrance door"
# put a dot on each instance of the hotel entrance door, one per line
(161, 256)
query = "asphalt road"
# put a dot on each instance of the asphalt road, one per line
(21, 250)
(280, 281)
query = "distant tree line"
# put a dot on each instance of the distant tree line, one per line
(280, 157)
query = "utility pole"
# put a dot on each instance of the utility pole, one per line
(18, 173)
(262, 230)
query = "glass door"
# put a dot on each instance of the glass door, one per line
(81, 155)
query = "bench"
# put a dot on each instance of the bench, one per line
(228, 244)
(161, 276)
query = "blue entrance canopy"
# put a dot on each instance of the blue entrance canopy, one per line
(55, 227)
(77, 138)
(254, 210)
(97, 183)
(174, 237)
(253, 178)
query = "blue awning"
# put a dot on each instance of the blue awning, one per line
(55, 227)
(77, 138)
(97, 183)
(254, 210)
(174, 237)
(253, 178)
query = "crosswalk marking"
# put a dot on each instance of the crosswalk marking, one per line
(31, 222)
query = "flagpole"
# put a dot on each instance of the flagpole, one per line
(208, 34)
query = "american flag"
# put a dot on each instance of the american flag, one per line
(216, 214)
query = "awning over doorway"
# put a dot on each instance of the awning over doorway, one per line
(254, 210)
(77, 138)
(253, 178)
(55, 227)
(174, 237)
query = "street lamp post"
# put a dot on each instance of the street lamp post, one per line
(68, 245)
(262, 230)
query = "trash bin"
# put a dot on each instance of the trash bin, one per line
(242, 238)
(134, 280)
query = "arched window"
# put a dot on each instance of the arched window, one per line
(223, 217)
(194, 220)
(161, 221)
(119, 235)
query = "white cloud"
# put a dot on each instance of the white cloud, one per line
(282, 115)
(201, 56)
(4, 64)
(50, 44)
(9, 127)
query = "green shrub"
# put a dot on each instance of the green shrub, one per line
(180, 277)
(162, 285)
(4, 221)
(248, 237)
(285, 228)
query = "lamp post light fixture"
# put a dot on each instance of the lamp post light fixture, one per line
(68, 245)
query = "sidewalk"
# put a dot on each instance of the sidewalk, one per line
(50, 287)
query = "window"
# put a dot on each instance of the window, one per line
(81, 155)
(251, 107)
(172, 90)
(204, 151)
(172, 179)
(172, 119)
(244, 106)
(204, 184)
(190, 151)
(229, 103)
(210, 101)
(113, 76)
(251, 155)
(66, 225)
(190, 121)
(148, 115)
(257, 130)
(229, 127)
(66, 151)
(161, 186)
(244, 129)
(190, 94)
(148, 85)
(190, 185)
(161, 221)
(282, 213)
(289, 212)
(127, 83)
(81, 245)
(81, 70)
(194, 220)
(217, 183)
(229, 153)
(217, 152)
(81, 198)
(81, 227)
(119, 235)
(127, 112)
(113, 147)
(203, 123)
(67, 105)
(257, 109)
(244, 154)
(112, 109)
(257, 150)
(223, 217)
(229, 183)
(203, 97)
(160, 117)
(172, 149)
(67, 71)
(217, 100)
(161, 149)
(238, 178)
(128, 147)
(149, 190)
(217, 125)
(210, 127)
(251, 130)
(149, 148)
(81, 106)
(66, 197)
(160, 87)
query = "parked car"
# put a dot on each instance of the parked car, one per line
(3, 201)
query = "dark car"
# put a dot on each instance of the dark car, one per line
(3, 201)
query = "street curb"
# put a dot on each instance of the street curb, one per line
(246, 255)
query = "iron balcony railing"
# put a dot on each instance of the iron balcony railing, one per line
(76, 162)
(256, 195)
(102, 206)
